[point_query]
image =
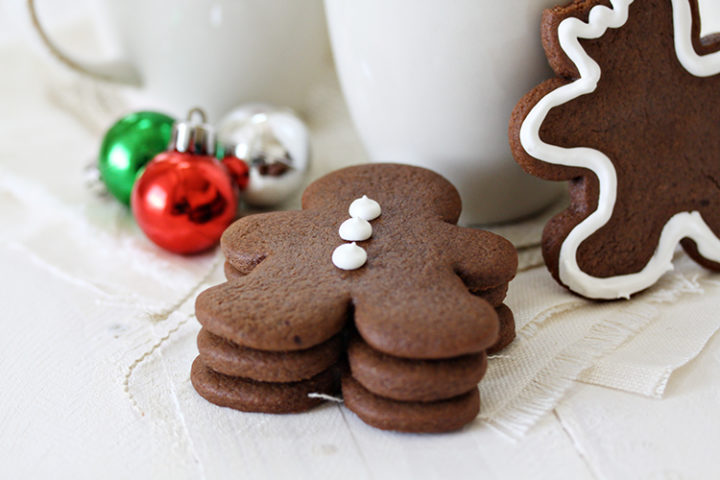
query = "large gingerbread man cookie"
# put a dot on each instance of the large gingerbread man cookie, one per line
(418, 295)
(631, 120)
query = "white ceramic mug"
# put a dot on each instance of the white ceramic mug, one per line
(215, 54)
(433, 83)
(710, 16)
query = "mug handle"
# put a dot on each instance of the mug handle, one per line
(117, 71)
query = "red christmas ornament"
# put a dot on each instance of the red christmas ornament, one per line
(239, 171)
(185, 199)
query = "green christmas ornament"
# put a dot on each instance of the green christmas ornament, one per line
(128, 146)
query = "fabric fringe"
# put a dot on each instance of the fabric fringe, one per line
(533, 327)
(546, 388)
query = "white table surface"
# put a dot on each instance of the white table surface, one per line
(89, 388)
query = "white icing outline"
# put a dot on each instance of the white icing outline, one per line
(698, 65)
(682, 225)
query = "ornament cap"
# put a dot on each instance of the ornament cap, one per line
(191, 135)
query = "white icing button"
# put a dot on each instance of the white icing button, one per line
(355, 230)
(365, 208)
(349, 256)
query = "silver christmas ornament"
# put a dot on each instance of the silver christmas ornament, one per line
(275, 145)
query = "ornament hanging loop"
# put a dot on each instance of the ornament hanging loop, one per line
(197, 111)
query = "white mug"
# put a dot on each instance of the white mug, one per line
(433, 83)
(710, 16)
(216, 55)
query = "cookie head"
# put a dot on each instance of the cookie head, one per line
(417, 294)
(637, 137)
(408, 191)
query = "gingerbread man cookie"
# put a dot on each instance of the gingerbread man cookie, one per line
(631, 120)
(425, 300)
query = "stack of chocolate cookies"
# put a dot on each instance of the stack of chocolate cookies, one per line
(273, 377)
(253, 380)
(418, 395)
(408, 312)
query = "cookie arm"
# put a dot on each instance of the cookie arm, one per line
(481, 259)
(530, 164)
(251, 239)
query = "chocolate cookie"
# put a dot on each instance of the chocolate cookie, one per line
(417, 289)
(231, 273)
(414, 380)
(494, 296)
(227, 358)
(412, 417)
(507, 329)
(631, 122)
(419, 268)
(251, 396)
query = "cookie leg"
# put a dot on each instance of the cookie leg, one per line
(425, 318)
(412, 417)
(407, 380)
(223, 356)
(243, 312)
(251, 396)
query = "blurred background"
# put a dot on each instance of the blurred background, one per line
(406, 96)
